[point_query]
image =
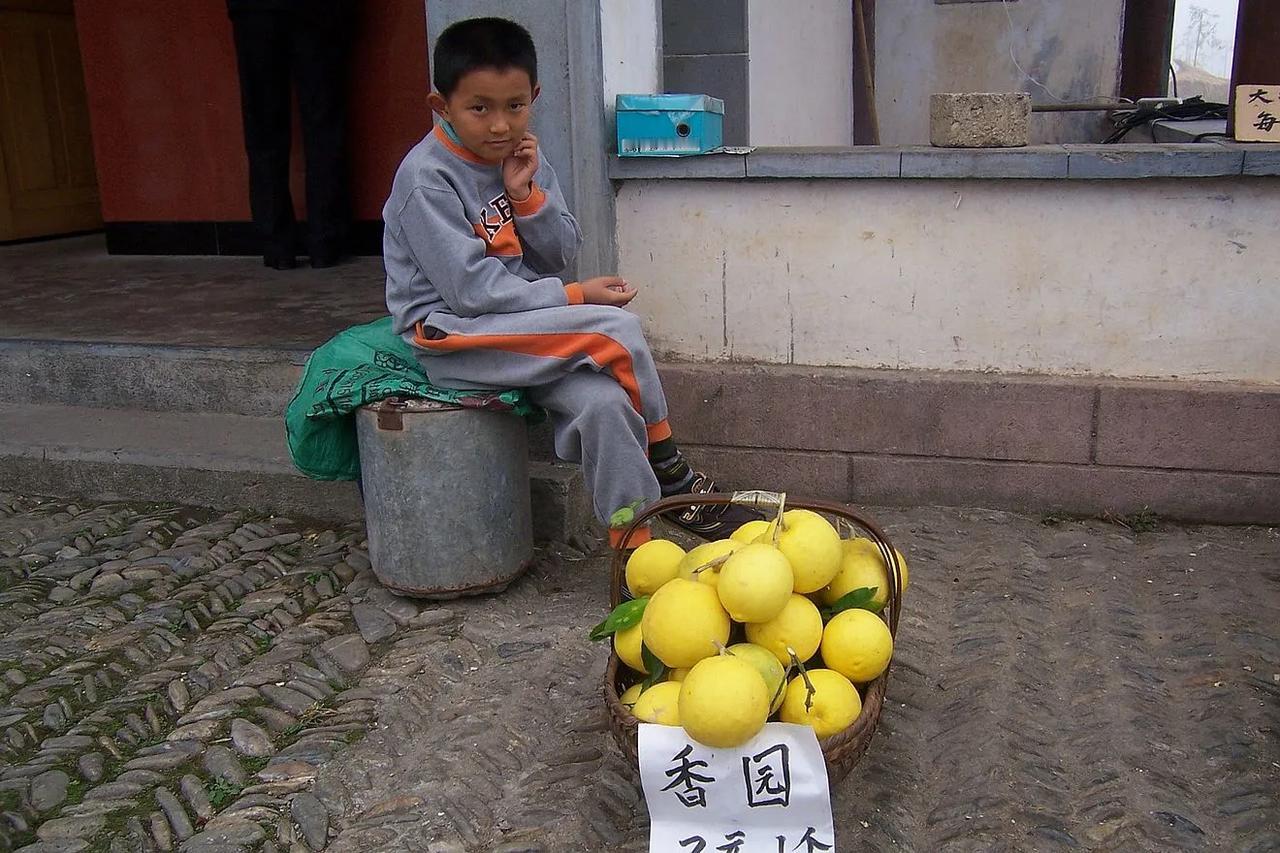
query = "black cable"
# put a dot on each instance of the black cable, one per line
(1174, 74)
(1192, 109)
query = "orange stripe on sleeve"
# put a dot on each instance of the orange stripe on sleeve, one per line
(531, 205)
(573, 292)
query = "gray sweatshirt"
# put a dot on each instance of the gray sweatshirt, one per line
(454, 243)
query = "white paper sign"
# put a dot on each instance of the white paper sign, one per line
(768, 796)
(1258, 113)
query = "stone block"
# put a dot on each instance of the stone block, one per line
(881, 411)
(979, 119)
(824, 476)
(1175, 425)
(558, 495)
(1262, 160)
(1192, 160)
(1028, 487)
(1039, 161)
(661, 168)
(859, 162)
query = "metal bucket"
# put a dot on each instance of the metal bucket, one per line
(446, 497)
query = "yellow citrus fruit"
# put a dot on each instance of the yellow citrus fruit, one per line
(755, 583)
(723, 702)
(678, 674)
(834, 707)
(750, 532)
(704, 554)
(627, 644)
(770, 669)
(804, 513)
(857, 644)
(683, 623)
(811, 545)
(651, 565)
(630, 695)
(659, 704)
(862, 566)
(798, 625)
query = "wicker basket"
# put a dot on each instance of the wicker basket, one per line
(842, 750)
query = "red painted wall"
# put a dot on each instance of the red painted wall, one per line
(164, 102)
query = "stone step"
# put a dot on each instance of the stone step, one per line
(208, 459)
(155, 377)
(231, 380)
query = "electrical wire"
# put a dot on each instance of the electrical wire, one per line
(1004, 4)
(1016, 64)
(1192, 109)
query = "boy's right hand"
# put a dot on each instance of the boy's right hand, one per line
(607, 290)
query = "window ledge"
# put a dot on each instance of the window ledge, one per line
(1072, 162)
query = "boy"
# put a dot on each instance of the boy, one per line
(476, 229)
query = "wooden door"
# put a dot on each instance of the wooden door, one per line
(47, 181)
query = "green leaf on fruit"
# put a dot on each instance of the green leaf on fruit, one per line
(655, 668)
(624, 616)
(858, 599)
(625, 516)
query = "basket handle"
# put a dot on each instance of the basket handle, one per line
(765, 501)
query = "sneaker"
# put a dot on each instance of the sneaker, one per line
(710, 521)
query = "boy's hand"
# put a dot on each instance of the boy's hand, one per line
(607, 290)
(519, 168)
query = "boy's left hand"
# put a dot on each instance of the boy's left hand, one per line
(519, 168)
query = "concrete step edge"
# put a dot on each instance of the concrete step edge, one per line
(210, 459)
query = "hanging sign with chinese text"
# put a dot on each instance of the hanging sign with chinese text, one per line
(769, 795)
(1257, 114)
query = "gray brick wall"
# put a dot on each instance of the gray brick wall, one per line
(704, 50)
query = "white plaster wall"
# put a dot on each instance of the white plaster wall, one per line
(1072, 46)
(801, 72)
(1161, 278)
(631, 49)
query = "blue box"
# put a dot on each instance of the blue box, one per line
(669, 125)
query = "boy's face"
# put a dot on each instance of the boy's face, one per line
(489, 110)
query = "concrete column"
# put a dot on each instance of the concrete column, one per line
(631, 34)
(569, 117)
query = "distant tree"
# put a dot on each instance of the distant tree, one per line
(1201, 35)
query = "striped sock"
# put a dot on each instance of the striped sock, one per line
(673, 473)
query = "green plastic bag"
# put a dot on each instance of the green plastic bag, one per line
(360, 365)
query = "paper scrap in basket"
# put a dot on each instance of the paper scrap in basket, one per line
(767, 795)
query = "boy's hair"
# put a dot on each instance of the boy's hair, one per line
(481, 43)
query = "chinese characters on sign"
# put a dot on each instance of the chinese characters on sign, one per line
(1257, 113)
(768, 796)
(768, 777)
(685, 774)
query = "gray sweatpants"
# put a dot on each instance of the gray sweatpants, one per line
(588, 365)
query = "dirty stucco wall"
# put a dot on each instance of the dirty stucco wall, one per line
(921, 47)
(801, 88)
(1153, 278)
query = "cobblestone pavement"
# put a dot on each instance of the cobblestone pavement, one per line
(174, 679)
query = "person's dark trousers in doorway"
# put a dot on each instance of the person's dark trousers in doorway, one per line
(304, 43)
